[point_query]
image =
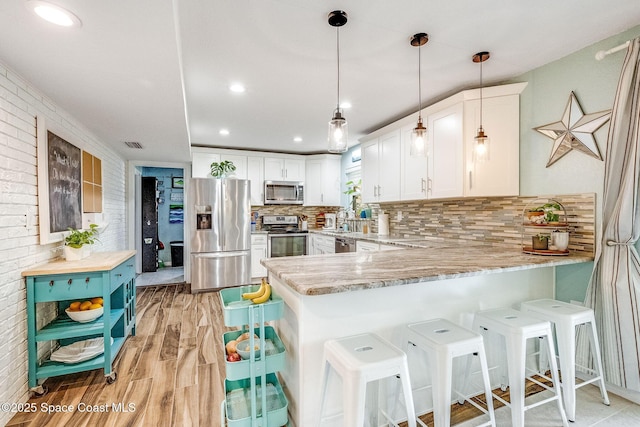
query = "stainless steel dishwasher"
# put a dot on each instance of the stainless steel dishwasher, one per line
(345, 244)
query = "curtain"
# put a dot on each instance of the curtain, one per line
(614, 288)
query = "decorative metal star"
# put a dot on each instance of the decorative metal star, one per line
(574, 131)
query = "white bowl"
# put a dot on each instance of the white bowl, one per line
(243, 349)
(85, 315)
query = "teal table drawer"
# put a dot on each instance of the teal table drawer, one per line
(68, 286)
(122, 273)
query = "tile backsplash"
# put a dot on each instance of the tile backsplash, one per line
(495, 220)
(310, 211)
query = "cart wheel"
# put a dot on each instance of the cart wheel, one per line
(40, 390)
(503, 387)
(112, 377)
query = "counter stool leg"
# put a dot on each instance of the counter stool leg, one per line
(566, 340)
(441, 370)
(555, 381)
(323, 398)
(408, 395)
(353, 392)
(516, 368)
(593, 341)
(487, 385)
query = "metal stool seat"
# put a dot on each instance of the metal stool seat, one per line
(361, 359)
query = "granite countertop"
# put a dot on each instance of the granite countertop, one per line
(346, 272)
(396, 239)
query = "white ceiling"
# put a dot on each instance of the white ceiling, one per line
(134, 67)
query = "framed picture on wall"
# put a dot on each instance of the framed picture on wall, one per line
(59, 181)
(177, 182)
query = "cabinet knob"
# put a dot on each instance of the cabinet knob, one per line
(87, 280)
(50, 282)
(69, 281)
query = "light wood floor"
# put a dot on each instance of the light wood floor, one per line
(171, 372)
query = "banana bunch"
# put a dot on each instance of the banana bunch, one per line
(261, 295)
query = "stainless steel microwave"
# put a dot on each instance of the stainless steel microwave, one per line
(283, 192)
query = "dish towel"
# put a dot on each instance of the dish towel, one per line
(79, 351)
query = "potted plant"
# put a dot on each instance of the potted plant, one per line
(76, 244)
(540, 242)
(222, 169)
(353, 190)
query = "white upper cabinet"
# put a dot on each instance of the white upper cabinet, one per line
(445, 147)
(240, 162)
(499, 174)
(202, 159)
(381, 168)
(322, 183)
(389, 173)
(283, 169)
(255, 173)
(201, 163)
(414, 170)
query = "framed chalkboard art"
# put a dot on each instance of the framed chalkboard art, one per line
(59, 182)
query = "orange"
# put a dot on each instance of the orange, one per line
(94, 306)
(97, 300)
(75, 306)
(85, 305)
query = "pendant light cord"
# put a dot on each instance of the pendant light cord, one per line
(419, 83)
(481, 61)
(338, 51)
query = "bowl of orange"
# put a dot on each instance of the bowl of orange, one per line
(85, 311)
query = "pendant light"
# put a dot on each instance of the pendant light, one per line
(338, 130)
(481, 149)
(418, 146)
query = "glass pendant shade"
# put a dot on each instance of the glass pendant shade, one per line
(481, 149)
(338, 133)
(418, 146)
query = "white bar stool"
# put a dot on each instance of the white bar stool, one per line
(361, 359)
(517, 328)
(442, 341)
(566, 317)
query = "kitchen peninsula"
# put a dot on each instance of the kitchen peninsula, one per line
(329, 296)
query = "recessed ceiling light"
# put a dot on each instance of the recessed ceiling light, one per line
(224, 132)
(237, 88)
(345, 104)
(53, 13)
(297, 139)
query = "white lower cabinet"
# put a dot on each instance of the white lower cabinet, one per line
(384, 247)
(320, 244)
(364, 246)
(258, 252)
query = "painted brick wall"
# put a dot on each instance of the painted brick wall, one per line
(20, 103)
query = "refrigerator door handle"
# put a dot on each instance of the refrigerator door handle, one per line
(222, 254)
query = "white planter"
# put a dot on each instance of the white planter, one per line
(560, 239)
(75, 254)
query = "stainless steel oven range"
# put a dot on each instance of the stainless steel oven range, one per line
(285, 238)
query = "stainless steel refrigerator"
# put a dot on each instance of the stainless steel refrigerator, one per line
(220, 226)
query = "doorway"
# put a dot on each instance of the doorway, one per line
(159, 225)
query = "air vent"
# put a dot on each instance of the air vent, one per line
(133, 144)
